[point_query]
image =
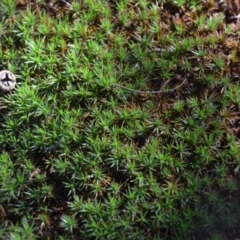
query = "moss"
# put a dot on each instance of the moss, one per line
(83, 157)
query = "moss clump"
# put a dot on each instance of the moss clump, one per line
(84, 158)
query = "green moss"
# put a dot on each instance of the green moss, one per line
(82, 157)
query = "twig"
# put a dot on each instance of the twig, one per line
(34, 173)
(148, 92)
